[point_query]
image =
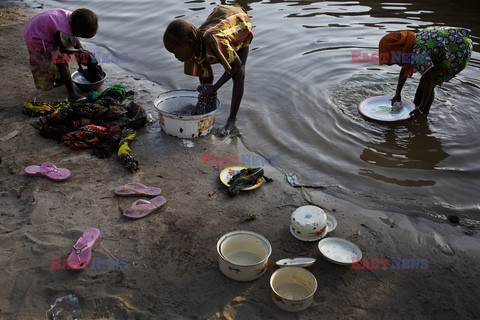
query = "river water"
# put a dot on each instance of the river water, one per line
(302, 90)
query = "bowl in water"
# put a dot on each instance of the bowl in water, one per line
(309, 223)
(175, 114)
(243, 255)
(293, 288)
(84, 84)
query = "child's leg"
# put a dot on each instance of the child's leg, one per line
(418, 94)
(429, 102)
(67, 79)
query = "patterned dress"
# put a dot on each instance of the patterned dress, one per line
(226, 30)
(445, 50)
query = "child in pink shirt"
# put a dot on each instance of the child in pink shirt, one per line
(54, 31)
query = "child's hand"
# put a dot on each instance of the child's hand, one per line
(415, 113)
(205, 90)
(196, 110)
(207, 93)
(396, 98)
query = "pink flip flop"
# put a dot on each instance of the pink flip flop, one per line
(137, 189)
(48, 170)
(81, 253)
(142, 208)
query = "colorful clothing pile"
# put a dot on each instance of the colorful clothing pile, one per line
(106, 124)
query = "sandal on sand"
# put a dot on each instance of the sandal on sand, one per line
(81, 253)
(142, 208)
(137, 189)
(48, 170)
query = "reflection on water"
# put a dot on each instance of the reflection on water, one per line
(417, 148)
(302, 92)
(410, 147)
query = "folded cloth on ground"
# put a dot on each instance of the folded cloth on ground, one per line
(117, 92)
(33, 108)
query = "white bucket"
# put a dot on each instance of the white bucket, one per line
(174, 114)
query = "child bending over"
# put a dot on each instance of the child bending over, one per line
(437, 53)
(223, 38)
(51, 32)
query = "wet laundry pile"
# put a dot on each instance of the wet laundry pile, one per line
(105, 122)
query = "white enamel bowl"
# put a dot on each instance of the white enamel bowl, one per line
(243, 255)
(308, 223)
(293, 288)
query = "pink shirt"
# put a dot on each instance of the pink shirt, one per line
(40, 31)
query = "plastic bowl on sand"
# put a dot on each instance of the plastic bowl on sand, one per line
(174, 113)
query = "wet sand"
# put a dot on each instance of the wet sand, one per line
(172, 268)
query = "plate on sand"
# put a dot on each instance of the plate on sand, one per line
(229, 172)
(380, 108)
(297, 262)
(331, 222)
(339, 251)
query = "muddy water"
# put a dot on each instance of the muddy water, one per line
(302, 92)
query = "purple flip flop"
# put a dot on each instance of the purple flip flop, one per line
(141, 208)
(137, 189)
(81, 253)
(48, 170)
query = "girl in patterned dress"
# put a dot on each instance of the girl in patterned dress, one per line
(48, 36)
(223, 38)
(437, 53)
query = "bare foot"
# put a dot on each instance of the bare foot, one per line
(225, 131)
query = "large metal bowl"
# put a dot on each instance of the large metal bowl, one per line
(84, 84)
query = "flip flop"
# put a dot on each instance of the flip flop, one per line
(137, 189)
(48, 170)
(142, 208)
(81, 253)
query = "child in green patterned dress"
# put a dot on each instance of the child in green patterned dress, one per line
(437, 53)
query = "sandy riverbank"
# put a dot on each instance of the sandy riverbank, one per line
(172, 264)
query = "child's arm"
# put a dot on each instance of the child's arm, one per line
(68, 43)
(237, 67)
(401, 81)
(224, 78)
